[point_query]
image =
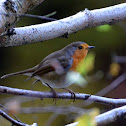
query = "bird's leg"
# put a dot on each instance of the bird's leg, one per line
(72, 93)
(53, 92)
(35, 82)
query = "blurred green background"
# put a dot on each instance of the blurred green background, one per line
(109, 40)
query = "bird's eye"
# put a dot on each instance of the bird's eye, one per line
(80, 47)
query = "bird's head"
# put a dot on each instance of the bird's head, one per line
(79, 51)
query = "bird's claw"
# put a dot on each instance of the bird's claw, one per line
(73, 96)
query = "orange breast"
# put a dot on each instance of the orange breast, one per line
(78, 56)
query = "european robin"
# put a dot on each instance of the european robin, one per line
(53, 69)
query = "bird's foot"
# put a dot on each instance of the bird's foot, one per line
(55, 97)
(73, 96)
(53, 92)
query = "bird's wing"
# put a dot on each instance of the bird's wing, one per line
(48, 66)
(59, 65)
(57, 61)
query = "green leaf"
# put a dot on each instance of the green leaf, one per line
(88, 119)
(103, 28)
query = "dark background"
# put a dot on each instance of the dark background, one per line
(109, 41)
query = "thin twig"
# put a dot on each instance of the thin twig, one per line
(11, 113)
(53, 109)
(107, 89)
(32, 16)
(112, 86)
(79, 96)
(16, 6)
(14, 122)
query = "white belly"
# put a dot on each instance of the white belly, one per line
(54, 80)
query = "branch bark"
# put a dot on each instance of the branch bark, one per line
(66, 26)
(14, 6)
(79, 96)
(109, 117)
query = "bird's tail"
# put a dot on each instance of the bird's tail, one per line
(25, 72)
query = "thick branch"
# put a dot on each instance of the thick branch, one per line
(111, 116)
(14, 6)
(79, 96)
(79, 21)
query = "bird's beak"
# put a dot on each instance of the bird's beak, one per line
(90, 47)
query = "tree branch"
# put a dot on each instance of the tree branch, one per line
(79, 96)
(13, 121)
(17, 7)
(54, 109)
(72, 24)
(120, 59)
(107, 89)
(111, 116)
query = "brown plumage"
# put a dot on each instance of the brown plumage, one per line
(53, 69)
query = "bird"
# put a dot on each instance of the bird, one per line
(52, 71)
